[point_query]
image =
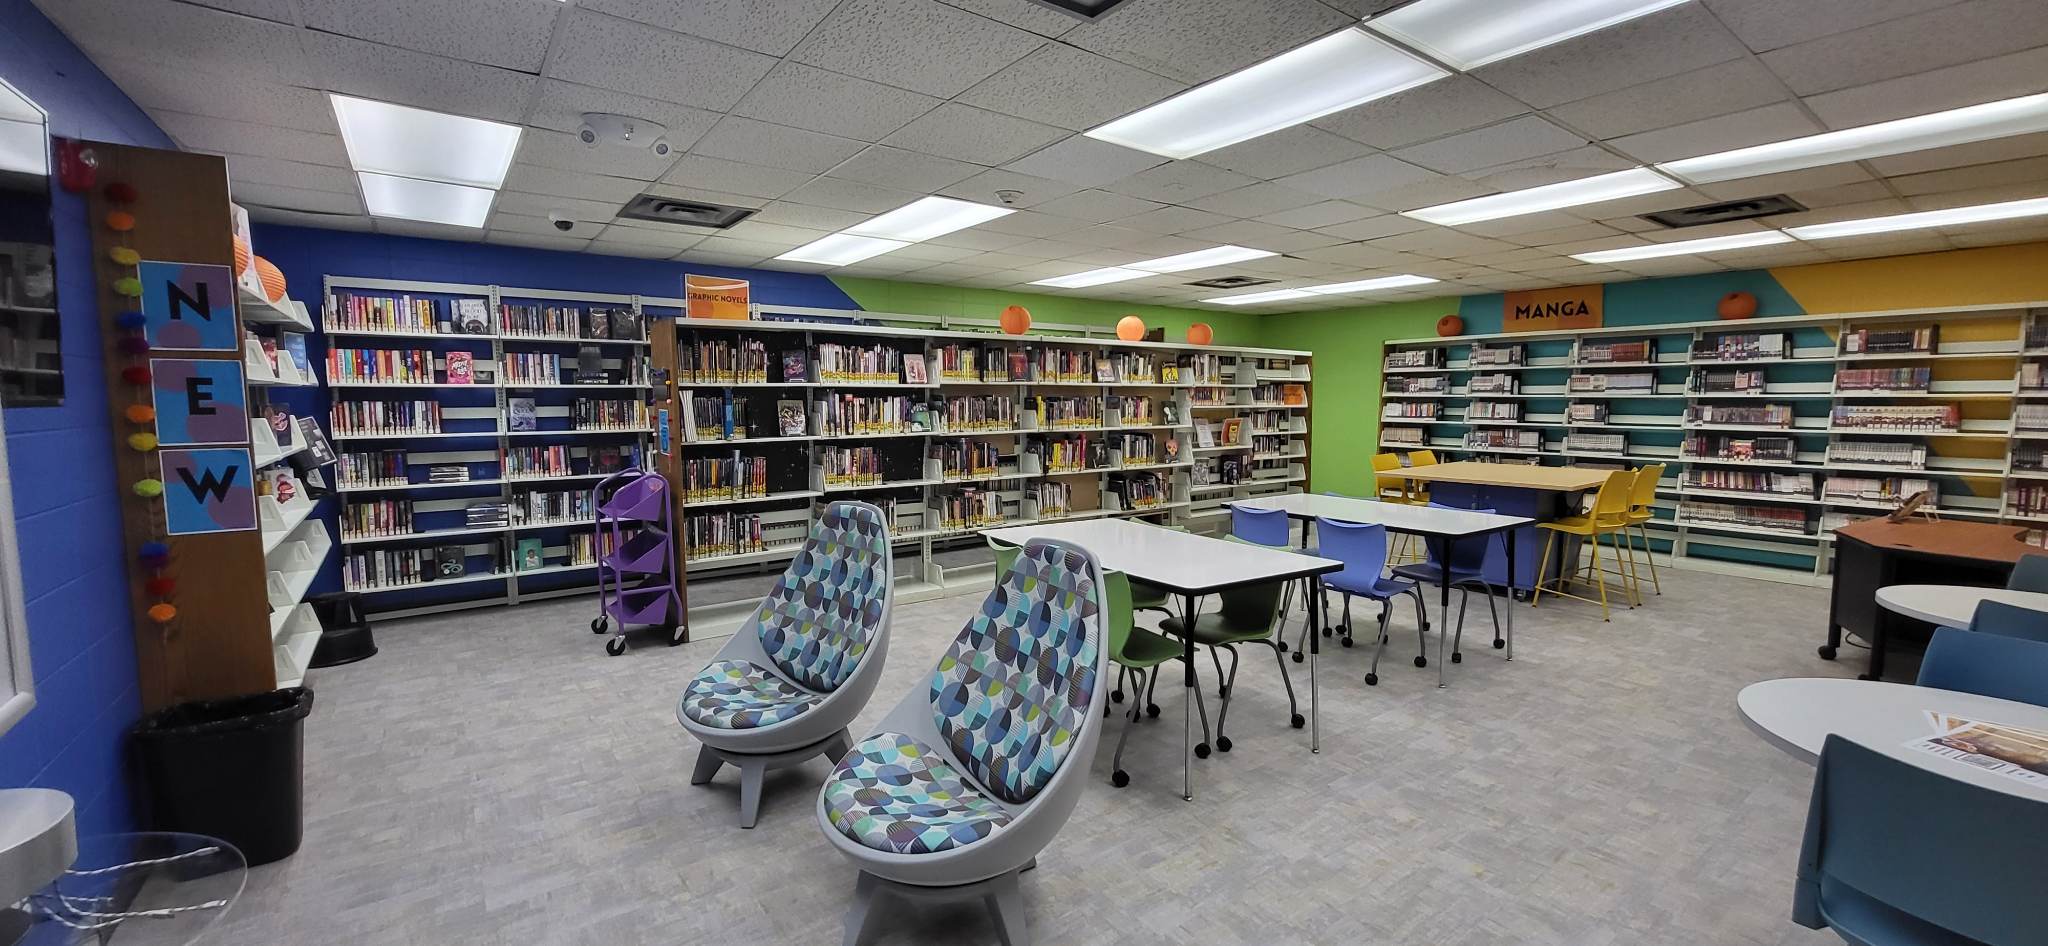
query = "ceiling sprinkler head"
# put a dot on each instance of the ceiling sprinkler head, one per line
(1009, 197)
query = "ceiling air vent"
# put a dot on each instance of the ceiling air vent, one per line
(1705, 214)
(1232, 282)
(688, 213)
(1087, 11)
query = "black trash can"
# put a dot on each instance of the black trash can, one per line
(228, 768)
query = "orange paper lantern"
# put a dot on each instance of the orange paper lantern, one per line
(1449, 326)
(1737, 305)
(1016, 320)
(120, 221)
(241, 256)
(140, 413)
(1130, 328)
(273, 280)
(162, 613)
(1201, 334)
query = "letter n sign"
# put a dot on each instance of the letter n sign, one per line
(188, 306)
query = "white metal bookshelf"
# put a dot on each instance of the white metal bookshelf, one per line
(295, 544)
(1977, 361)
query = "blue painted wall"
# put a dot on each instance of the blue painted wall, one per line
(1656, 301)
(65, 499)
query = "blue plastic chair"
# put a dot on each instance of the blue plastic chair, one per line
(1262, 526)
(1468, 568)
(2030, 574)
(1362, 547)
(1986, 664)
(2009, 620)
(1970, 875)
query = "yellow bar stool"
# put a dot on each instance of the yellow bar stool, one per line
(1609, 518)
(1639, 515)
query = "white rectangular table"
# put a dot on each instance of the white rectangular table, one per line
(1443, 527)
(1191, 566)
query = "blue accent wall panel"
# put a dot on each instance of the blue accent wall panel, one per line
(66, 503)
(1655, 301)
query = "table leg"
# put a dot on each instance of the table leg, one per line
(1187, 730)
(1443, 613)
(1315, 638)
(1876, 649)
(1507, 538)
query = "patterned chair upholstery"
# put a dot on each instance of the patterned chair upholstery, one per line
(963, 783)
(786, 686)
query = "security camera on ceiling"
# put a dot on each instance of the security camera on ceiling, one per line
(606, 128)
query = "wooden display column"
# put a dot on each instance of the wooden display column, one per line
(661, 337)
(219, 644)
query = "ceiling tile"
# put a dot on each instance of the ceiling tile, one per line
(1704, 93)
(1961, 33)
(1738, 130)
(1666, 43)
(1982, 152)
(811, 98)
(764, 26)
(1372, 228)
(776, 146)
(1102, 235)
(1294, 241)
(1442, 243)
(611, 53)
(1764, 25)
(1249, 233)
(1031, 224)
(697, 254)
(1853, 193)
(1512, 140)
(156, 86)
(2000, 236)
(978, 239)
(294, 218)
(507, 35)
(539, 241)
(1288, 266)
(249, 168)
(793, 214)
(640, 250)
(1833, 175)
(429, 231)
(783, 236)
(540, 205)
(1097, 206)
(1988, 194)
(1085, 162)
(387, 73)
(1443, 107)
(280, 10)
(1254, 199)
(250, 194)
(502, 222)
(728, 245)
(1550, 168)
(905, 170)
(1172, 220)
(1287, 151)
(1179, 182)
(179, 35)
(1440, 190)
(851, 195)
(1575, 233)
(1972, 83)
(1070, 88)
(914, 44)
(557, 150)
(1370, 174)
(533, 179)
(699, 172)
(974, 135)
(2023, 171)
(932, 252)
(699, 194)
(1031, 191)
(1367, 256)
(221, 136)
(1023, 14)
(1198, 40)
(1323, 214)
(1524, 223)
(562, 105)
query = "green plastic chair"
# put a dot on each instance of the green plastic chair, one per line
(1246, 615)
(1138, 652)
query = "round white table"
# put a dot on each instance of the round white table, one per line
(1952, 605)
(1797, 715)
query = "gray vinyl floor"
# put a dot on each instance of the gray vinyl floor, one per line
(493, 777)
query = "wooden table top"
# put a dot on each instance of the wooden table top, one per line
(1980, 541)
(1556, 478)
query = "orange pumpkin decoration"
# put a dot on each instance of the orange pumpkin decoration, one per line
(241, 256)
(273, 280)
(1737, 305)
(1449, 326)
(1201, 334)
(1130, 328)
(1016, 320)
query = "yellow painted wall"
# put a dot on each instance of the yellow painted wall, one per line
(1987, 276)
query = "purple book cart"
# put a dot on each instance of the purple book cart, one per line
(636, 575)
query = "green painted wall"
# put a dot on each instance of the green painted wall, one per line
(910, 298)
(1344, 397)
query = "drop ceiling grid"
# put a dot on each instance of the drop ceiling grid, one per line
(817, 113)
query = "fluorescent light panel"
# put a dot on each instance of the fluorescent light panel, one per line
(1954, 216)
(1586, 190)
(1684, 247)
(1471, 33)
(1213, 256)
(1331, 74)
(2001, 119)
(433, 146)
(1326, 289)
(409, 198)
(1093, 277)
(839, 249)
(933, 216)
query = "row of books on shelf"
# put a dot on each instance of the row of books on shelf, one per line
(2033, 375)
(404, 312)
(1415, 358)
(1503, 439)
(2030, 416)
(1609, 382)
(1289, 393)
(393, 468)
(1891, 341)
(552, 506)
(1910, 380)
(375, 569)
(569, 322)
(1791, 520)
(1618, 352)
(1493, 384)
(1586, 412)
(1898, 453)
(1747, 415)
(586, 413)
(1065, 454)
(969, 507)
(385, 417)
(394, 366)
(1413, 410)
(854, 466)
(1749, 481)
(532, 368)
(1493, 355)
(1596, 443)
(1921, 417)
(1055, 498)
(967, 459)
(1140, 490)
(1728, 382)
(1418, 384)
(1749, 346)
(2027, 499)
(1494, 410)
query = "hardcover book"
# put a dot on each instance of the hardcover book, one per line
(451, 560)
(589, 365)
(461, 367)
(472, 317)
(521, 412)
(597, 323)
(794, 366)
(530, 551)
(626, 325)
(789, 418)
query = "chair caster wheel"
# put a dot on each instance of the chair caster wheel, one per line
(1457, 658)
(1152, 711)
(677, 634)
(1297, 722)
(1329, 633)
(1826, 651)
(1372, 679)
(615, 646)
(1201, 750)
(1116, 696)
(599, 625)
(1283, 647)
(1498, 643)
(1422, 661)
(1298, 658)
(1119, 778)
(1346, 642)
(1222, 743)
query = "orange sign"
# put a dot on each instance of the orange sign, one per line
(1548, 310)
(716, 297)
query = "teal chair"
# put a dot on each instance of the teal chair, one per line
(2029, 574)
(1245, 615)
(2008, 620)
(1966, 871)
(1138, 654)
(2008, 668)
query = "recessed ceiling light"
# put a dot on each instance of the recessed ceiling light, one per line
(1684, 247)
(840, 249)
(408, 198)
(2001, 119)
(1093, 277)
(1586, 190)
(433, 146)
(1254, 298)
(1471, 33)
(1336, 72)
(1954, 216)
(1368, 285)
(1213, 256)
(921, 220)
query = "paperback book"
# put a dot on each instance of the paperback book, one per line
(521, 411)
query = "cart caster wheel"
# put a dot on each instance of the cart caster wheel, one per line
(1827, 652)
(1457, 658)
(677, 634)
(1498, 643)
(1422, 661)
(1372, 679)
(1222, 743)
(1283, 647)
(1298, 658)
(1297, 722)
(615, 646)
(599, 625)
(1119, 778)
(1201, 750)
(1116, 696)
(1346, 642)
(1152, 711)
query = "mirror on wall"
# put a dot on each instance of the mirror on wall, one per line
(31, 359)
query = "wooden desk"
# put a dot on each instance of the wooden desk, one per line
(1872, 554)
(1561, 479)
(1541, 493)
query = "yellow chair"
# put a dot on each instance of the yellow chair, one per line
(1609, 518)
(1418, 494)
(1639, 513)
(1391, 489)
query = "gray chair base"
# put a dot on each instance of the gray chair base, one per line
(1002, 894)
(754, 766)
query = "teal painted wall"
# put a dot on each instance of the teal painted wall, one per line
(1656, 301)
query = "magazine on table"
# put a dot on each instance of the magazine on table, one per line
(2016, 753)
